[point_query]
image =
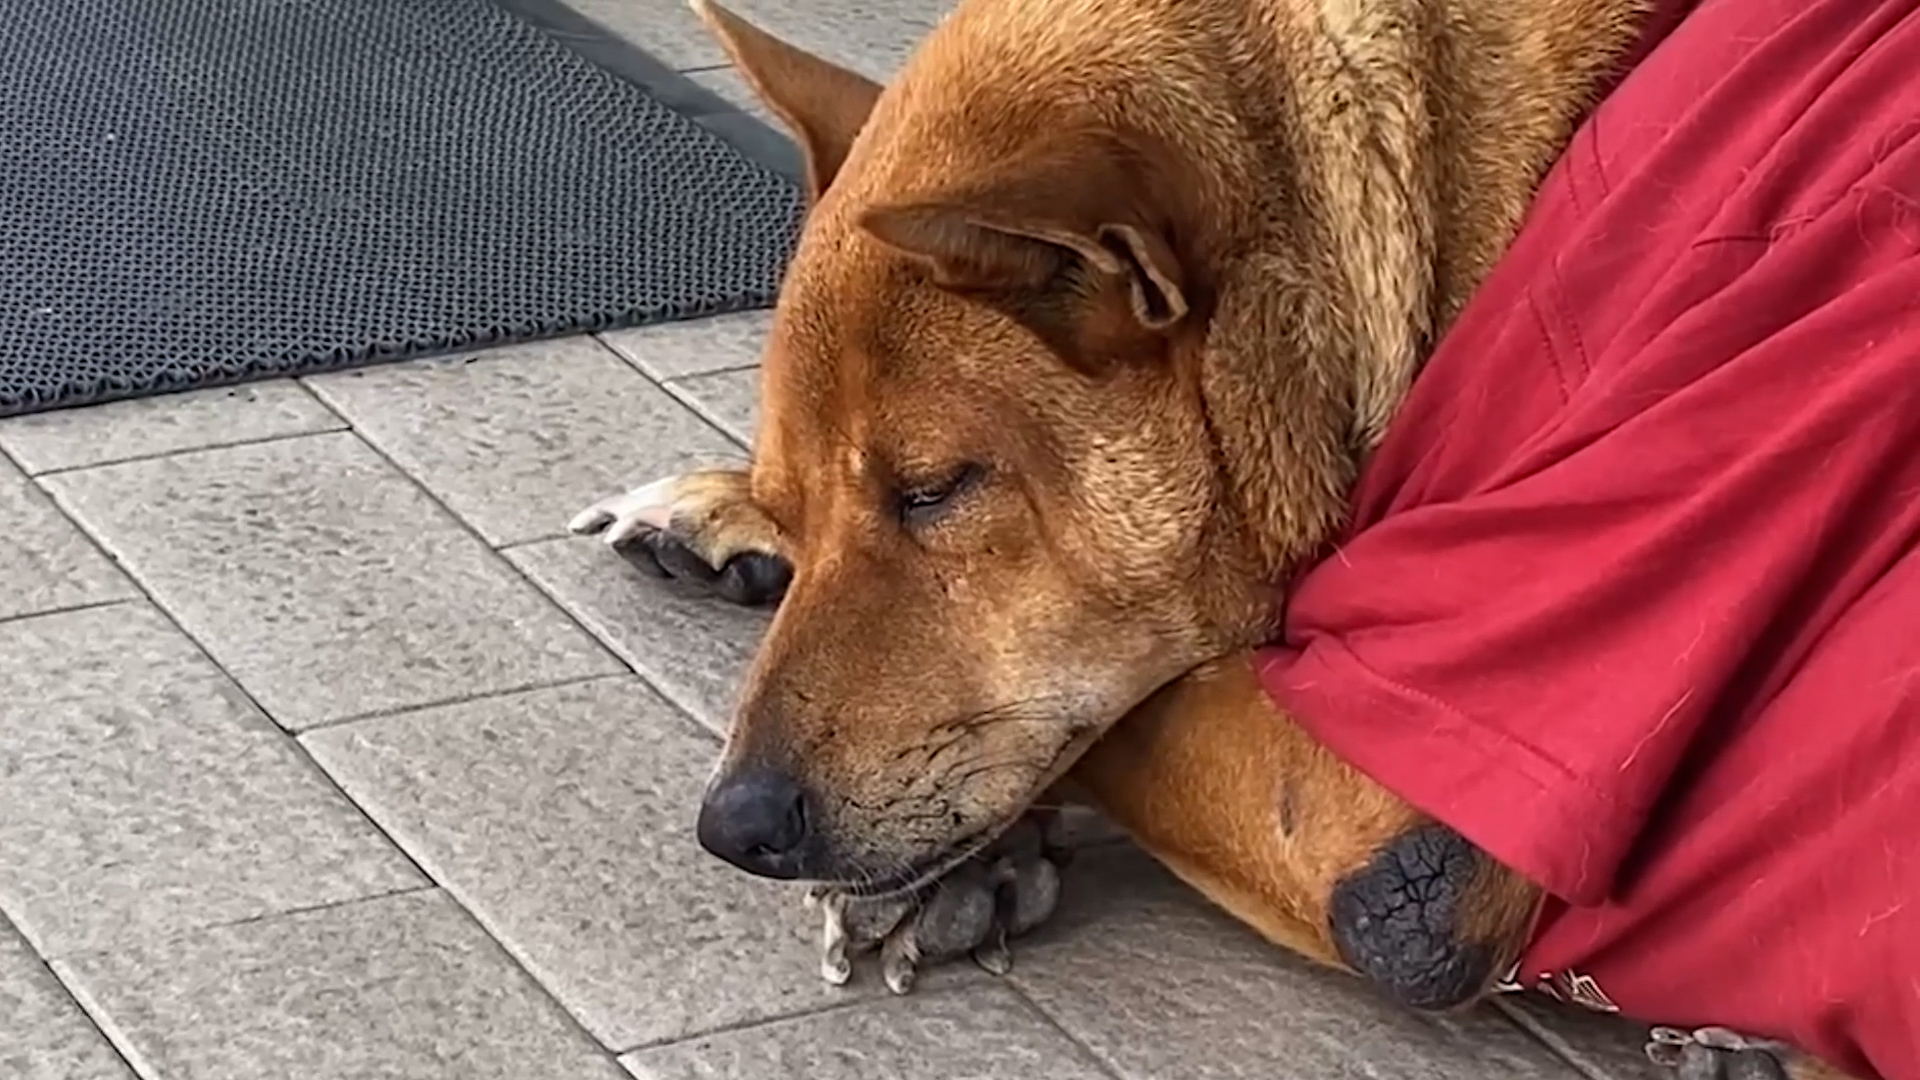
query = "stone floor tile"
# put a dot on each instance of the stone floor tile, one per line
(518, 440)
(400, 988)
(676, 349)
(727, 83)
(872, 36)
(169, 423)
(693, 647)
(978, 1033)
(1158, 984)
(563, 819)
(140, 792)
(668, 30)
(43, 1033)
(326, 582)
(46, 562)
(1602, 1045)
(730, 399)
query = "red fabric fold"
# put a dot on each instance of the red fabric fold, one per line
(1632, 597)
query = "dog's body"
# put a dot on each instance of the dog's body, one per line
(1099, 308)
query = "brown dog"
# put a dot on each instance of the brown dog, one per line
(1096, 312)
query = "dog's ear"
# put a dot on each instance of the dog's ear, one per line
(1076, 240)
(822, 104)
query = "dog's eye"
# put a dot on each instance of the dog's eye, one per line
(919, 504)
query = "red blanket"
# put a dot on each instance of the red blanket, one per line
(1632, 599)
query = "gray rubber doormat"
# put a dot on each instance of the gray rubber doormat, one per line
(195, 192)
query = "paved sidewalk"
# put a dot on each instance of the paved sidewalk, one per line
(326, 754)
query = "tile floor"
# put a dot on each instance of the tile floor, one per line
(325, 753)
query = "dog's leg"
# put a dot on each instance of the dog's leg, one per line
(701, 527)
(1215, 782)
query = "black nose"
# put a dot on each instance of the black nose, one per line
(758, 820)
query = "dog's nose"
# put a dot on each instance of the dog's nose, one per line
(758, 820)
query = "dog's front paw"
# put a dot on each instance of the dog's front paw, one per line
(974, 910)
(1715, 1053)
(701, 527)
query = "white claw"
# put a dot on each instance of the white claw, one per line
(836, 970)
(994, 957)
(900, 960)
(629, 513)
(589, 520)
(899, 977)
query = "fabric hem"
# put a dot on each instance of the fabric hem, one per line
(1512, 800)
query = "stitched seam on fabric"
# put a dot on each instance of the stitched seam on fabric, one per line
(1785, 230)
(1547, 346)
(1467, 719)
(1557, 316)
(1572, 329)
(1591, 161)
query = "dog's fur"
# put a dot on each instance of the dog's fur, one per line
(1097, 310)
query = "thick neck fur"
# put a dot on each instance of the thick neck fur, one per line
(1401, 141)
(1349, 170)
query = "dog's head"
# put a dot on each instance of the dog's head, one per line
(990, 439)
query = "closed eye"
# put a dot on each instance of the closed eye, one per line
(919, 505)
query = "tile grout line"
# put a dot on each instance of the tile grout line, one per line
(464, 699)
(737, 1026)
(1546, 1037)
(684, 708)
(350, 428)
(552, 600)
(730, 369)
(366, 440)
(33, 483)
(297, 382)
(434, 884)
(670, 385)
(303, 909)
(79, 1006)
(1099, 1060)
(299, 751)
(1533, 1030)
(314, 396)
(118, 1038)
(381, 830)
(698, 1033)
(455, 896)
(70, 609)
(680, 707)
(240, 688)
(134, 459)
(706, 414)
